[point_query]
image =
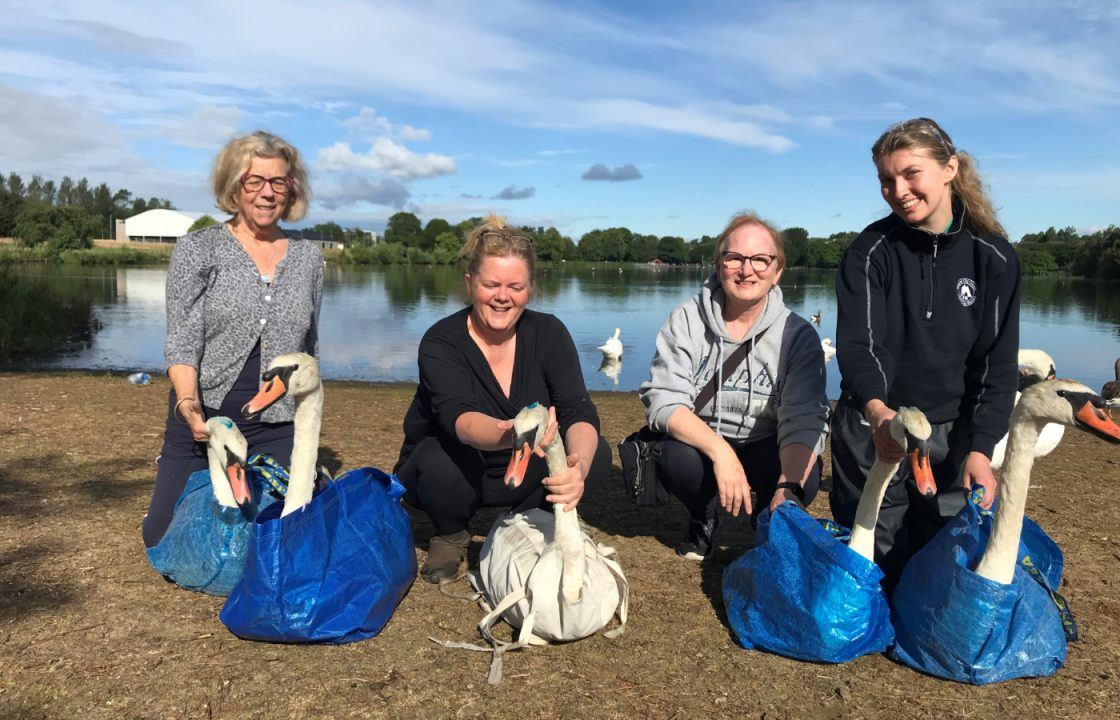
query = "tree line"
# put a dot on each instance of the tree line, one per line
(409, 241)
(1096, 255)
(66, 215)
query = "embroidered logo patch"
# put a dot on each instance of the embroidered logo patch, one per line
(966, 291)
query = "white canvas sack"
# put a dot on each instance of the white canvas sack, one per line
(519, 581)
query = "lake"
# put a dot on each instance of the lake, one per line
(373, 318)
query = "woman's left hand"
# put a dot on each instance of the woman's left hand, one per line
(567, 487)
(978, 471)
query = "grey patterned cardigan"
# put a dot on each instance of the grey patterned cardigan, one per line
(219, 306)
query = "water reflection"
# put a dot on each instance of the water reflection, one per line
(372, 320)
(611, 368)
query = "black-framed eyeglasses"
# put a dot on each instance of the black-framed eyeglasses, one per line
(508, 236)
(759, 263)
(280, 184)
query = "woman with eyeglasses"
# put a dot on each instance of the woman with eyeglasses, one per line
(763, 428)
(928, 316)
(478, 367)
(239, 294)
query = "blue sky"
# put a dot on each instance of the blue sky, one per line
(664, 117)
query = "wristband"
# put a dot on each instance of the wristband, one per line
(793, 487)
(176, 410)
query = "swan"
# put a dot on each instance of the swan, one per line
(801, 592)
(815, 318)
(295, 374)
(986, 619)
(911, 430)
(1034, 366)
(205, 545)
(1111, 390)
(328, 567)
(612, 346)
(828, 349)
(529, 428)
(227, 453)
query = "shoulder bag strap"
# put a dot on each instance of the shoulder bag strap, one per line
(733, 361)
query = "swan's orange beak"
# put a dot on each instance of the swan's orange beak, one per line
(923, 473)
(235, 473)
(1095, 420)
(266, 397)
(522, 453)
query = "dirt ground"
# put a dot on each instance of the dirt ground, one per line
(88, 630)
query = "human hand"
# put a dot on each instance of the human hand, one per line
(190, 410)
(783, 494)
(887, 448)
(731, 480)
(565, 488)
(978, 471)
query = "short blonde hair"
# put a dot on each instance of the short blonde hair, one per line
(750, 218)
(494, 238)
(234, 160)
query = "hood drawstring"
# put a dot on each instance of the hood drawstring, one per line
(719, 381)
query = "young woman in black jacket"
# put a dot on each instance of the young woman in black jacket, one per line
(928, 316)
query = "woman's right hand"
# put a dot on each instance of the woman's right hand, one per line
(731, 480)
(191, 412)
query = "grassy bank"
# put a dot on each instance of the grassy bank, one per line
(118, 256)
(88, 630)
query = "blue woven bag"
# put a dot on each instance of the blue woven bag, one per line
(803, 593)
(954, 624)
(332, 572)
(205, 545)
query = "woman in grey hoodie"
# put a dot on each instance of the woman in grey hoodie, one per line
(765, 426)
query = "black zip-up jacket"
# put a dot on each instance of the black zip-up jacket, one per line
(931, 321)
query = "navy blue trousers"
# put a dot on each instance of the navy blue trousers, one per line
(182, 455)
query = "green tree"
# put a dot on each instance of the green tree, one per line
(404, 228)
(1035, 259)
(702, 250)
(74, 229)
(203, 222)
(432, 231)
(10, 206)
(446, 248)
(672, 250)
(795, 242)
(642, 248)
(35, 224)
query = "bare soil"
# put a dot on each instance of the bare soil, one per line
(88, 630)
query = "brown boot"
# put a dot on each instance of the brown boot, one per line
(445, 554)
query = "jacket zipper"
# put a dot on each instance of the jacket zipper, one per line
(932, 284)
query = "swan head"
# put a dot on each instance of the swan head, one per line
(229, 446)
(528, 430)
(1067, 402)
(911, 429)
(1035, 366)
(294, 374)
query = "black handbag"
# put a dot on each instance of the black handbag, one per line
(640, 452)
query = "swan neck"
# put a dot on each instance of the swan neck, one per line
(305, 450)
(862, 539)
(998, 561)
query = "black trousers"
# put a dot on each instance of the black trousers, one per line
(907, 519)
(181, 455)
(450, 481)
(689, 475)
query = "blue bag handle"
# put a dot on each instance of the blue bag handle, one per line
(1069, 625)
(394, 486)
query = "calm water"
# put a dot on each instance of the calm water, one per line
(372, 319)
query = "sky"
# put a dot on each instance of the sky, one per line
(663, 117)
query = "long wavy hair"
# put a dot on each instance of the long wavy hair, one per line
(926, 135)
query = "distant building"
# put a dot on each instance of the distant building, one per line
(325, 241)
(157, 226)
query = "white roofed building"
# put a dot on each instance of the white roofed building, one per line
(159, 226)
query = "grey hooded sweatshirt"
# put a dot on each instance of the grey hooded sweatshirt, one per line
(778, 390)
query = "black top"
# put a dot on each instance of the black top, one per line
(455, 378)
(931, 321)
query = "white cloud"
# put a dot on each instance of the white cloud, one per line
(351, 190)
(368, 123)
(388, 157)
(208, 128)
